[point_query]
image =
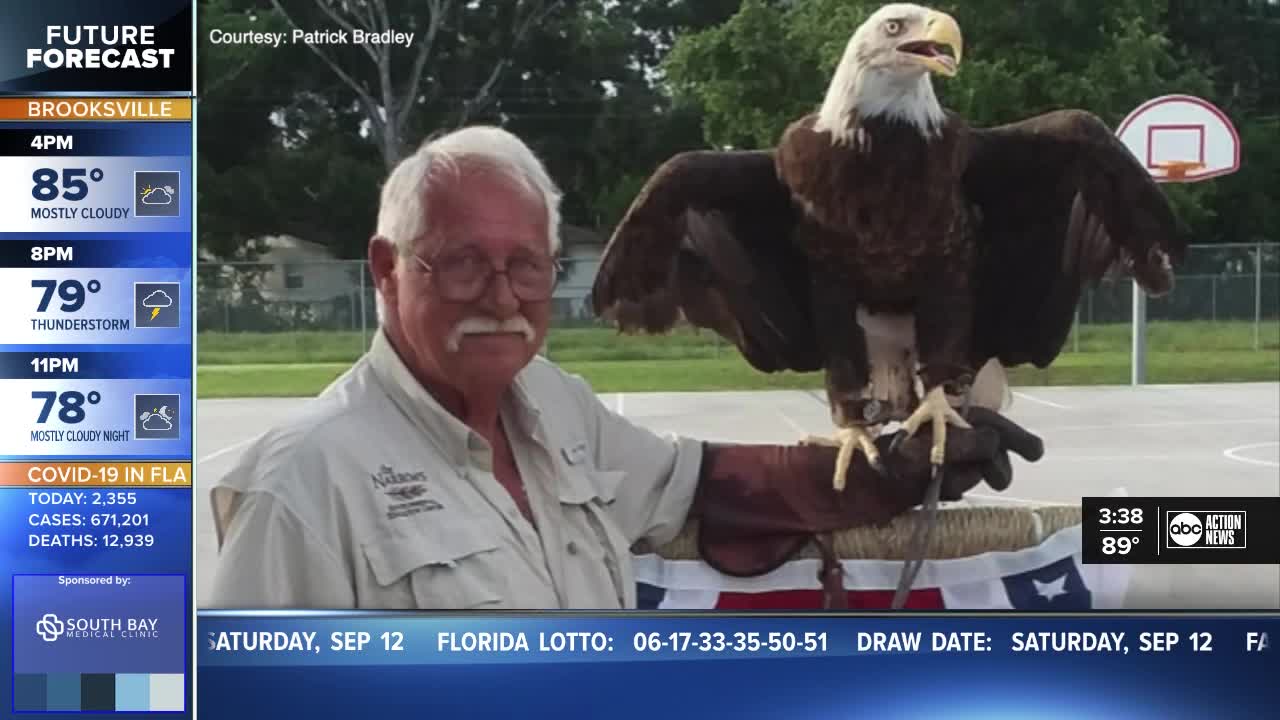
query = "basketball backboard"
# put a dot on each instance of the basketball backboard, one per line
(1181, 138)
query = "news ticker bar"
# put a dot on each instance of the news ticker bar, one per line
(246, 639)
(627, 666)
(1181, 530)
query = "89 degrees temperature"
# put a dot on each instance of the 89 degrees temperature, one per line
(1119, 544)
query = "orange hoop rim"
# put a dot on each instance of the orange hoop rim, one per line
(1178, 169)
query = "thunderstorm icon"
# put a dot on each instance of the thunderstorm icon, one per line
(156, 301)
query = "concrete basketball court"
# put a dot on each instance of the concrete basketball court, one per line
(1156, 440)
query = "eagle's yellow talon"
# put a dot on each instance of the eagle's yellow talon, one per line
(848, 439)
(937, 410)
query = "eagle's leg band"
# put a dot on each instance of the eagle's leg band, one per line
(868, 411)
(954, 379)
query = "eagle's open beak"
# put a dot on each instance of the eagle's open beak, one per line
(940, 49)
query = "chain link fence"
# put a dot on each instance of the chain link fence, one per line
(1226, 297)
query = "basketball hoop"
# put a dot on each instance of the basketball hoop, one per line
(1181, 139)
(1178, 169)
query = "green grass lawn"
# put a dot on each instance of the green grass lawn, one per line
(602, 344)
(730, 372)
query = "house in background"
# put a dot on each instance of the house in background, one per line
(305, 285)
(305, 271)
(294, 284)
(580, 251)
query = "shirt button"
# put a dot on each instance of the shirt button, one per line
(572, 547)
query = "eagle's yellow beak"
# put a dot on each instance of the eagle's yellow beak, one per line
(941, 32)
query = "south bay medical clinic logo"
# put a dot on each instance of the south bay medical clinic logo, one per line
(1220, 530)
(50, 628)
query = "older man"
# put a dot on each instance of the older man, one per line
(452, 468)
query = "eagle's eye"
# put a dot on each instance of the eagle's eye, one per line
(892, 27)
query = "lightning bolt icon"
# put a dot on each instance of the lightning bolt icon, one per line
(154, 312)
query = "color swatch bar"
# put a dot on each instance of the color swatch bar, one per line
(98, 692)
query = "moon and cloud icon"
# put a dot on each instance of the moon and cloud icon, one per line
(157, 421)
(156, 416)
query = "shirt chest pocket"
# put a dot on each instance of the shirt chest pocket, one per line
(444, 565)
(595, 555)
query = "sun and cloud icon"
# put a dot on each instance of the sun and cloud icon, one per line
(158, 195)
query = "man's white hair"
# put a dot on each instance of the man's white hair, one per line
(402, 212)
(402, 209)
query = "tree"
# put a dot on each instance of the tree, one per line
(1239, 39)
(286, 144)
(390, 81)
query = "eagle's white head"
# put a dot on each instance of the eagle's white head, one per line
(885, 71)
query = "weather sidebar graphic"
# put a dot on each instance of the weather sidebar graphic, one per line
(96, 368)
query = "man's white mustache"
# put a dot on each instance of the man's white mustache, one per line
(486, 325)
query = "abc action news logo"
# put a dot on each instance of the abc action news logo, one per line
(1217, 529)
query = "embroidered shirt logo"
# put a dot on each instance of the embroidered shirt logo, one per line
(388, 478)
(406, 490)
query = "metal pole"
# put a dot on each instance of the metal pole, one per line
(364, 315)
(1139, 361)
(1257, 298)
(1075, 331)
(1213, 298)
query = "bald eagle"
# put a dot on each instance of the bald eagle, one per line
(884, 241)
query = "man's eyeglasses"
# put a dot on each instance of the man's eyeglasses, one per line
(466, 277)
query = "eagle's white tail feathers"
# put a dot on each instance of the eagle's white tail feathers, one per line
(991, 387)
(891, 341)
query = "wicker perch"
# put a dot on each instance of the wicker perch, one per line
(961, 532)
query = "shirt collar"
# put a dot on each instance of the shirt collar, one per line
(453, 437)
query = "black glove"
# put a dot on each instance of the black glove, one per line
(980, 455)
(757, 505)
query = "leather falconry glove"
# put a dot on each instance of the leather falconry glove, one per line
(758, 505)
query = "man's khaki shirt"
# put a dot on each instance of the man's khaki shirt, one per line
(376, 497)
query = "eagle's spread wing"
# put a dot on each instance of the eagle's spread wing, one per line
(1058, 201)
(709, 237)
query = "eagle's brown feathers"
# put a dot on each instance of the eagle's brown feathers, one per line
(885, 211)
